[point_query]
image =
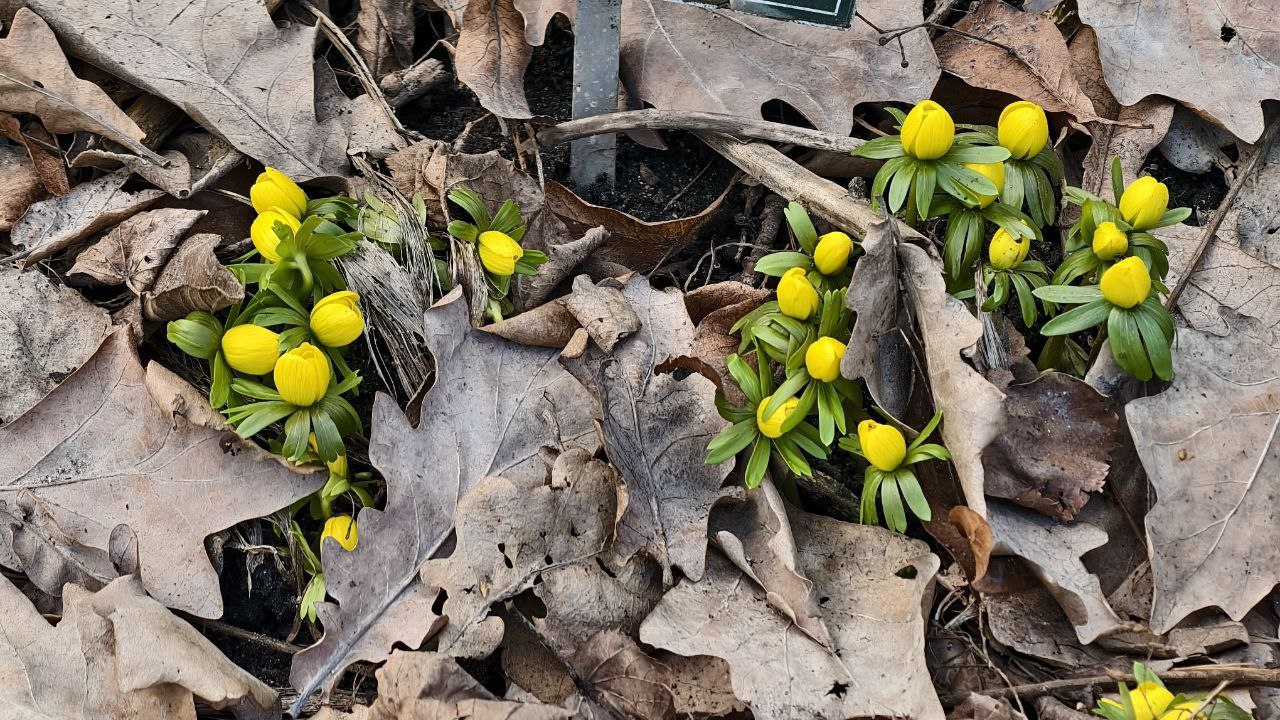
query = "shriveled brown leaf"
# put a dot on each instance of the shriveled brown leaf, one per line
(384, 35)
(492, 56)
(193, 279)
(714, 309)
(424, 685)
(227, 66)
(602, 311)
(110, 447)
(115, 653)
(20, 185)
(656, 429)
(626, 677)
(1209, 444)
(48, 166)
(549, 325)
(983, 707)
(871, 583)
(196, 161)
(367, 123)
(1039, 70)
(1183, 50)
(134, 252)
(1030, 622)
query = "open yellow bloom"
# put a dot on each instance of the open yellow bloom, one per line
(831, 254)
(251, 349)
(302, 375)
(336, 320)
(1006, 251)
(1109, 241)
(883, 445)
(796, 296)
(263, 233)
(993, 172)
(1149, 701)
(274, 189)
(498, 252)
(928, 131)
(343, 529)
(771, 427)
(1127, 283)
(822, 359)
(1185, 711)
(1023, 129)
(1144, 202)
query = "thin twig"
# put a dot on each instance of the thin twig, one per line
(238, 633)
(1202, 676)
(680, 120)
(688, 185)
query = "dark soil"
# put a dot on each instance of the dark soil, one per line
(267, 606)
(1202, 192)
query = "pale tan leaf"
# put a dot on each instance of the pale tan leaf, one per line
(1231, 275)
(430, 686)
(36, 139)
(584, 598)
(630, 680)
(20, 185)
(384, 35)
(492, 56)
(193, 279)
(134, 252)
(602, 311)
(368, 126)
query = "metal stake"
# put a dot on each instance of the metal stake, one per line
(595, 87)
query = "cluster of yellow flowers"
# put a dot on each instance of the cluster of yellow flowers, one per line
(1151, 700)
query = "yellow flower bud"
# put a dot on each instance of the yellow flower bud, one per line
(831, 254)
(822, 359)
(302, 375)
(1109, 241)
(1185, 711)
(338, 466)
(1127, 283)
(928, 131)
(274, 189)
(883, 445)
(993, 172)
(263, 232)
(343, 529)
(499, 253)
(796, 296)
(1144, 202)
(251, 349)
(336, 320)
(1006, 251)
(771, 426)
(1023, 129)
(1149, 700)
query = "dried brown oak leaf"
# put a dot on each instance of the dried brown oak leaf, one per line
(134, 252)
(493, 405)
(492, 56)
(20, 185)
(626, 677)
(196, 160)
(871, 583)
(115, 653)
(656, 429)
(35, 78)
(193, 279)
(1238, 271)
(119, 445)
(1221, 59)
(225, 64)
(682, 56)
(1210, 446)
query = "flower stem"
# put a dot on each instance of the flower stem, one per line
(300, 260)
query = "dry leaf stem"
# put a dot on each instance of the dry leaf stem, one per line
(1204, 676)
(681, 120)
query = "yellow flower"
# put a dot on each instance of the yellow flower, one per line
(831, 255)
(882, 445)
(337, 466)
(302, 375)
(1149, 700)
(499, 253)
(1109, 241)
(1185, 711)
(1144, 202)
(343, 529)
(336, 320)
(263, 233)
(822, 359)
(1127, 283)
(796, 296)
(1023, 129)
(274, 189)
(251, 349)
(1006, 251)
(771, 426)
(993, 172)
(928, 131)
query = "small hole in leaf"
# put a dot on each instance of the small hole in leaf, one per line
(908, 572)
(838, 689)
(1228, 33)
(823, 600)
(605, 568)
(546, 560)
(437, 607)
(502, 548)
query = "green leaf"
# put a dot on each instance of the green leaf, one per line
(507, 219)
(1069, 294)
(977, 154)
(731, 441)
(884, 174)
(776, 264)
(463, 230)
(872, 479)
(914, 496)
(342, 414)
(1049, 161)
(788, 389)
(1077, 264)
(1076, 319)
(1117, 179)
(928, 451)
(999, 295)
(895, 517)
(297, 431)
(254, 389)
(1157, 344)
(882, 148)
(900, 185)
(757, 463)
(328, 440)
(220, 388)
(745, 376)
(1173, 217)
(1011, 194)
(262, 416)
(975, 182)
(1026, 302)
(792, 456)
(808, 439)
(473, 205)
(1126, 344)
(926, 181)
(927, 431)
(801, 225)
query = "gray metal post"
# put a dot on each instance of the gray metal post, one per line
(595, 86)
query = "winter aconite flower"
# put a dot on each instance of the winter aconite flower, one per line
(336, 320)
(1127, 283)
(771, 427)
(263, 232)
(1150, 700)
(1186, 711)
(883, 445)
(1023, 129)
(822, 359)
(499, 253)
(831, 255)
(343, 529)
(1144, 202)
(1007, 251)
(928, 131)
(274, 189)
(1109, 241)
(251, 349)
(796, 296)
(302, 375)
(993, 172)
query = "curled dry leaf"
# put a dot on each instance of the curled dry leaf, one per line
(37, 140)
(1193, 144)
(384, 35)
(1030, 622)
(134, 252)
(193, 279)
(493, 405)
(227, 66)
(20, 185)
(602, 311)
(492, 56)
(871, 582)
(656, 429)
(1209, 444)
(196, 161)
(715, 308)
(115, 444)
(115, 653)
